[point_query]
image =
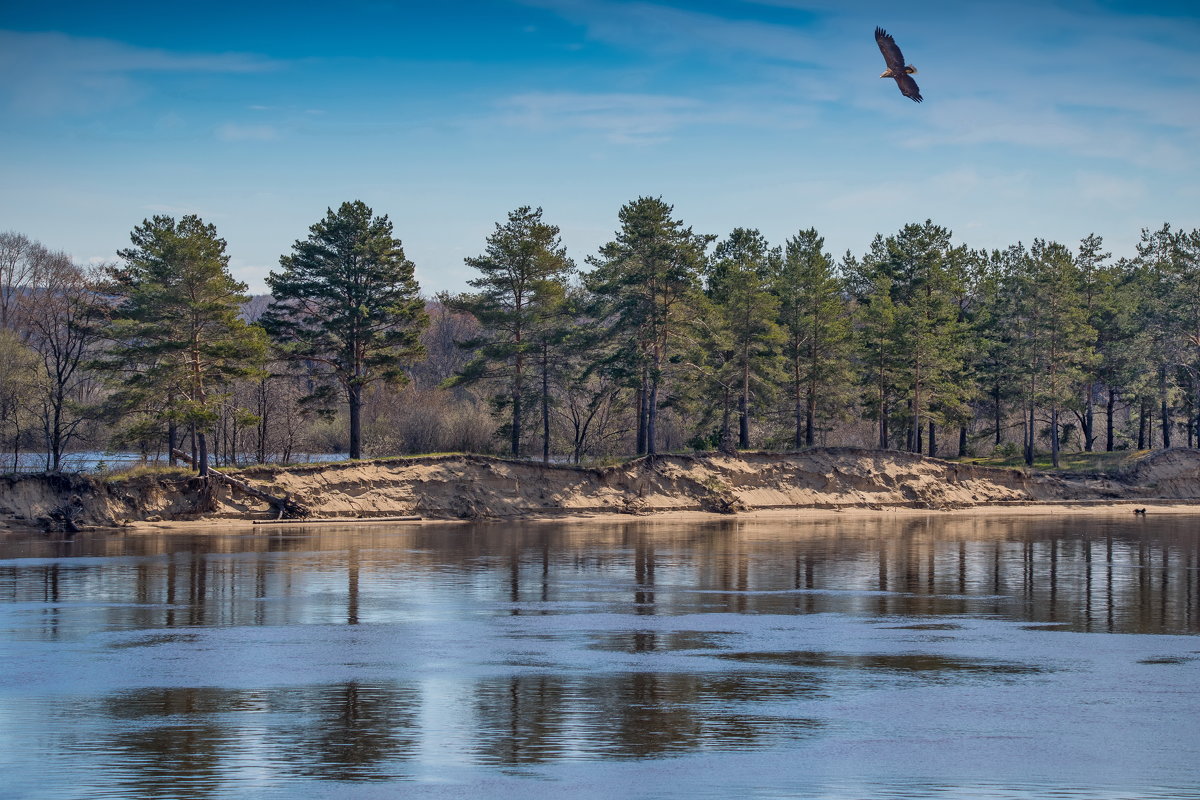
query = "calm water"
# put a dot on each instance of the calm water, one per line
(949, 657)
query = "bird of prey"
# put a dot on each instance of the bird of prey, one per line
(896, 68)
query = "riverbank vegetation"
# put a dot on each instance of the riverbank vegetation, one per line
(665, 339)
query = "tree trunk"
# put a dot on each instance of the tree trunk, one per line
(56, 403)
(798, 393)
(1030, 433)
(1166, 411)
(932, 439)
(744, 408)
(1054, 437)
(1109, 441)
(915, 444)
(1142, 425)
(652, 418)
(172, 441)
(260, 451)
(996, 396)
(641, 416)
(354, 393)
(545, 402)
(515, 441)
(202, 454)
(810, 418)
(962, 441)
(652, 404)
(1089, 418)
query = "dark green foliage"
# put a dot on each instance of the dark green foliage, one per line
(347, 306)
(928, 333)
(178, 337)
(1025, 354)
(644, 281)
(519, 305)
(739, 284)
(815, 317)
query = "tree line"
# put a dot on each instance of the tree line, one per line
(665, 339)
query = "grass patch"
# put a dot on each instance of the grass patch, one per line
(1093, 463)
(144, 471)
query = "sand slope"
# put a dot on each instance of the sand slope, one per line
(470, 487)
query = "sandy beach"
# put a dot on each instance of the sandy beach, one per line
(813, 483)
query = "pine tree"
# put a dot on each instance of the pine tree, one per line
(1063, 335)
(815, 317)
(644, 280)
(522, 287)
(914, 262)
(179, 339)
(346, 304)
(880, 357)
(1155, 279)
(1187, 254)
(1096, 296)
(739, 285)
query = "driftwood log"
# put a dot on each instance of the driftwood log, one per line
(285, 507)
(335, 520)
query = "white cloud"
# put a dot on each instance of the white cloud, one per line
(666, 29)
(631, 118)
(53, 73)
(1070, 77)
(621, 118)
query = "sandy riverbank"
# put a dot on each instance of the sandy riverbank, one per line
(225, 526)
(463, 487)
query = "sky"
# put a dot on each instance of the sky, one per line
(1049, 118)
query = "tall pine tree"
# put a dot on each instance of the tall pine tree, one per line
(347, 305)
(815, 317)
(644, 279)
(739, 285)
(521, 291)
(178, 337)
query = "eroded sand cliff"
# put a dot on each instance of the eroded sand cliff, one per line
(471, 487)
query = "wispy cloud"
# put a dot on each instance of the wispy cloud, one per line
(621, 118)
(631, 118)
(667, 29)
(54, 73)
(1081, 80)
(234, 132)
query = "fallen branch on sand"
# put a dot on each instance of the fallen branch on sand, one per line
(333, 520)
(285, 507)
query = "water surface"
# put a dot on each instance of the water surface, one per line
(942, 656)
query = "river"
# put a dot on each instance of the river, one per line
(890, 656)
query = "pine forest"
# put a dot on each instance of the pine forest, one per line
(663, 340)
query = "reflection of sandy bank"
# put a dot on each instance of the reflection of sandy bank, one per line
(1122, 509)
(822, 481)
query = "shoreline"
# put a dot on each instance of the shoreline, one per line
(822, 482)
(1016, 510)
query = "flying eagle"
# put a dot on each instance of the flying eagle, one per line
(896, 68)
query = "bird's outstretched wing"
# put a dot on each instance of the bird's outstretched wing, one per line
(908, 87)
(891, 51)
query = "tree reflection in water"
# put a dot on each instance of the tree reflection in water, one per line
(188, 741)
(370, 654)
(532, 719)
(1085, 573)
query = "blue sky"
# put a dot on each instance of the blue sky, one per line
(1042, 119)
